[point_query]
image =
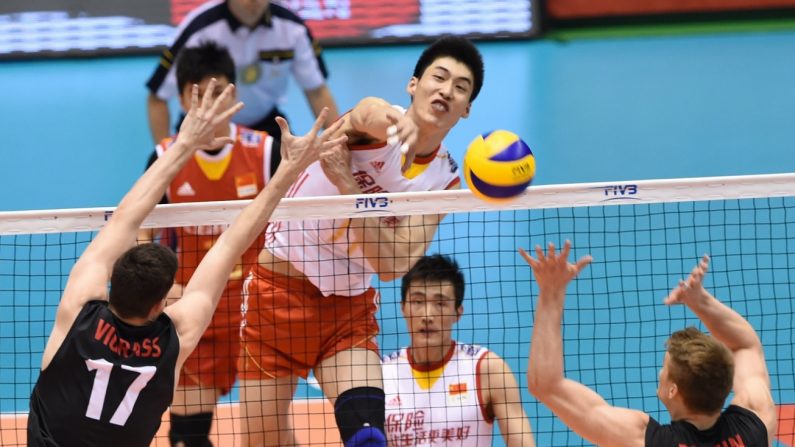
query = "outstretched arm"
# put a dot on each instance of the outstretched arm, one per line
(391, 246)
(382, 122)
(90, 275)
(193, 312)
(580, 408)
(751, 380)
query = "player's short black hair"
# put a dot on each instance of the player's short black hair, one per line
(141, 278)
(435, 268)
(208, 59)
(458, 48)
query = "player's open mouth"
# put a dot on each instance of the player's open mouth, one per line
(440, 106)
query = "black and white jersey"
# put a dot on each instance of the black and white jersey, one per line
(108, 384)
(265, 56)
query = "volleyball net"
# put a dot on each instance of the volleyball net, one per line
(643, 235)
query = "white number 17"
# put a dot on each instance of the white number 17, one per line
(101, 379)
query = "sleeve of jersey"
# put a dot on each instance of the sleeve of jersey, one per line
(657, 434)
(309, 68)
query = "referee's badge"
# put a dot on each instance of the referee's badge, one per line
(251, 73)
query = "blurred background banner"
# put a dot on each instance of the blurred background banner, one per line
(35, 28)
(579, 9)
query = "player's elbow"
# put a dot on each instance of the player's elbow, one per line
(540, 385)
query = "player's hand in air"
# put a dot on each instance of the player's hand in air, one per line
(198, 128)
(336, 164)
(690, 290)
(299, 152)
(406, 132)
(553, 271)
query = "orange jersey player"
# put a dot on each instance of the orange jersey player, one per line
(235, 171)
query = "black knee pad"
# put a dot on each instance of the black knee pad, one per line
(360, 417)
(193, 430)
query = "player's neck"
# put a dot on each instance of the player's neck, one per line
(428, 142)
(134, 321)
(700, 421)
(431, 355)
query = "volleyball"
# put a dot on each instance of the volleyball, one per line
(498, 166)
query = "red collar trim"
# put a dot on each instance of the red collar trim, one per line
(430, 366)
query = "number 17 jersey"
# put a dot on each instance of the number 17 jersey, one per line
(108, 384)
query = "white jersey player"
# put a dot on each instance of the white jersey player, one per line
(439, 392)
(310, 304)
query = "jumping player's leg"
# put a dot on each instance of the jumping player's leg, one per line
(351, 380)
(265, 412)
(192, 415)
(207, 374)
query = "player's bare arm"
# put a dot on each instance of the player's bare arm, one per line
(579, 407)
(91, 273)
(502, 396)
(751, 379)
(390, 246)
(193, 312)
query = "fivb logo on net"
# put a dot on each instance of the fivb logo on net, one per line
(375, 203)
(625, 191)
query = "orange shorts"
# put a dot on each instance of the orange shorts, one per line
(289, 326)
(213, 364)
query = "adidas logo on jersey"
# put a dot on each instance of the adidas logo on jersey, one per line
(377, 165)
(186, 190)
(394, 402)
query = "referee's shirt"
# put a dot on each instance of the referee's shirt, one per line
(264, 57)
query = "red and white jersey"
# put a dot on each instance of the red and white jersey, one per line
(439, 404)
(321, 248)
(239, 171)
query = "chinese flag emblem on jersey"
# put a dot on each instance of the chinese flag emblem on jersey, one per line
(246, 185)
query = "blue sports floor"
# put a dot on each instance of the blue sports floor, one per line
(75, 135)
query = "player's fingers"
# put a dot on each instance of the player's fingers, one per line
(584, 262)
(524, 254)
(222, 99)
(551, 250)
(319, 121)
(194, 97)
(539, 252)
(208, 93)
(705, 262)
(285, 128)
(566, 249)
(333, 128)
(221, 141)
(336, 144)
(228, 113)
